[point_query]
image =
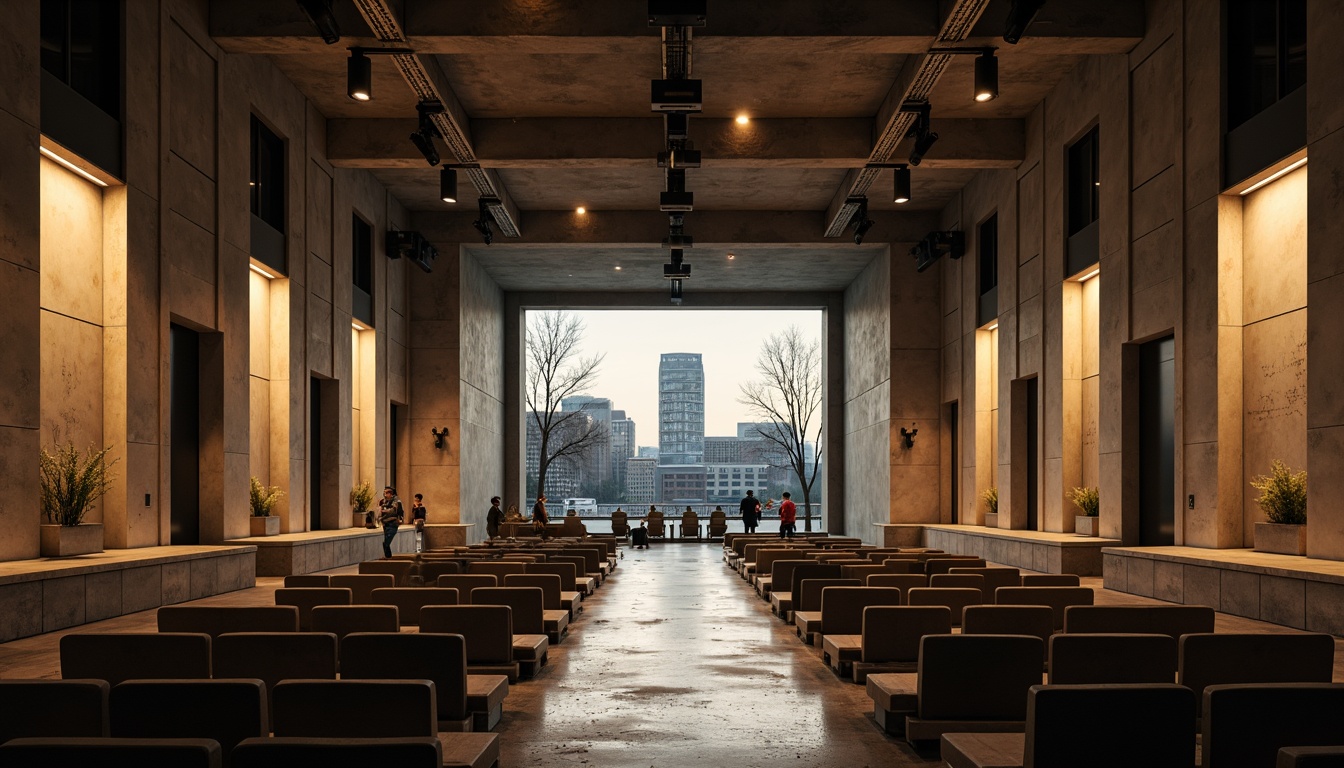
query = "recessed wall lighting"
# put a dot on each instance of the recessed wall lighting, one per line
(1273, 176)
(743, 119)
(993, 327)
(69, 166)
(358, 326)
(261, 272)
(581, 210)
(1090, 275)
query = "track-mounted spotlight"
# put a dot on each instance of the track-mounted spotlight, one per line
(319, 12)
(919, 131)
(986, 76)
(676, 292)
(485, 223)
(358, 76)
(423, 138)
(860, 221)
(902, 192)
(448, 185)
(923, 143)
(1020, 14)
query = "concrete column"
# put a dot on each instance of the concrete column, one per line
(435, 385)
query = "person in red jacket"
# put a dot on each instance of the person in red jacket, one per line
(788, 517)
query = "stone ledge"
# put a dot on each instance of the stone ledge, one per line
(16, 571)
(1042, 551)
(310, 551)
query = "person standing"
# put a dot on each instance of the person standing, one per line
(788, 517)
(390, 516)
(750, 507)
(493, 518)
(539, 517)
(418, 513)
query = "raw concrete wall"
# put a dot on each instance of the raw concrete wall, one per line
(482, 392)
(867, 398)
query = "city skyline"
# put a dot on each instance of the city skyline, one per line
(729, 342)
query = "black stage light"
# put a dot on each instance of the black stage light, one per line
(485, 224)
(319, 12)
(902, 192)
(986, 76)
(448, 185)
(1020, 14)
(359, 76)
(923, 143)
(676, 292)
(860, 220)
(425, 143)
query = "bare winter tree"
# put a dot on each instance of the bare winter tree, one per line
(788, 395)
(555, 371)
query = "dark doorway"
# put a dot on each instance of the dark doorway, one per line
(1157, 443)
(955, 458)
(1033, 443)
(315, 455)
(185, 432)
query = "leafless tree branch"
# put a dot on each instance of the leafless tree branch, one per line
(556, 370)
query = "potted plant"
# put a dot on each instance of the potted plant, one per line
(991, 498)
(1088, 501)
(361, 496)
(1283, 498)
(263, 499)
(71, 483)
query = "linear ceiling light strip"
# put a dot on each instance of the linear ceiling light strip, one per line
(956, 28)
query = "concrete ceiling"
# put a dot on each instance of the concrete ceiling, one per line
(552, 99)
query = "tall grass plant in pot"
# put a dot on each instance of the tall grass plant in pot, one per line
(361, 496)
(72, 482)
(1088, 501)
(1283, 499)
(991, 498)
(262, 499)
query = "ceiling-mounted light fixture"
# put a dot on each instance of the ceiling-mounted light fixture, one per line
(986, 76)
(1020, 15)
(743, 119)
(902, 192)
(319, 13)
(581, 210)
(676, 292)
(358, 76)
(860, 220)
(485, 221)
(919, 130)
(423, 138)
(448, 185)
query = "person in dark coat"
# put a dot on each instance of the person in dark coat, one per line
(493, 518)
(750, 508)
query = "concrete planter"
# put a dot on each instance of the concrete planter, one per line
(265, 526)
(1084, 525)
(69, 540)
(358, 518)
(1281, 539)
(991, 519)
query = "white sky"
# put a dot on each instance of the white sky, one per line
(729, 340)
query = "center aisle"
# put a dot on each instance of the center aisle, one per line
(677, 662)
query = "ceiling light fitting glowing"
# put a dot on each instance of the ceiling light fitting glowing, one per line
(986, 71)
(993, 327)
(448, 185)
(358, 76)
(358, 326)
(732, 256)
(1275, 176)
(743, 119)
(618, 267)
(902, 191)
(1090, 275)
(581, 210)
(261, 272)
(69, 166)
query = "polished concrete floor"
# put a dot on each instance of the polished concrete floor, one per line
(674, 662)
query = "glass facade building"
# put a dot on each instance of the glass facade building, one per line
(681, 409)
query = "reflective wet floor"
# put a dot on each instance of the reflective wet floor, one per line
(677, 662)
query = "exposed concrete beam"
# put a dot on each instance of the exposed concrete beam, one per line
(426, 78)
(635, 142)
(620, 26)
(915, 82)
(561, 229)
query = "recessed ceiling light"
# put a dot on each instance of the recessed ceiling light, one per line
(580, 210)
(732, 256)
(743, 119)
(618, 267)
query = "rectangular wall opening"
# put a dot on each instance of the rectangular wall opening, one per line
(185, 433)
(986, 426)
(1157, 443)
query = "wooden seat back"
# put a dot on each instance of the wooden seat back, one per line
(944, 563)
(893, 632)
(808, 596)
(842, 607)
(566, 572)
(781, 572)
(227, 711)
(548, 583)
(902, 566)
(1170, 620)
(956, 599)
(655, 524)
(441, 659)
(127, 656)
(1034, 620)
(1058, 598)
(110, 753)
(1096, 659)
(766, 558)
(487, 629)
(398, 569)
(361, 585)
(308, 580)
(342, 709)
(1230, 659)
(431, 570)
(1247, 725)
(690, 524)
(29, 705)
(902, 581)
(860, 571)
(1311, 757)
(813, 570)
(466, 584)
(528, 606)
(341, 620)
(960, 581)
(1050, 580)
(995, 577)
(409, 600)
(496, 568)
(305, 598)
(718, 523)
(272, 657)
(620, 523)
(1163, 714)
(592, 557)
(977, 677)
(215, 620)
(285, 752)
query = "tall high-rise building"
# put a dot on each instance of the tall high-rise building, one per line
(681, 409)
(640, 476)
(597, 461)
(622, 445)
